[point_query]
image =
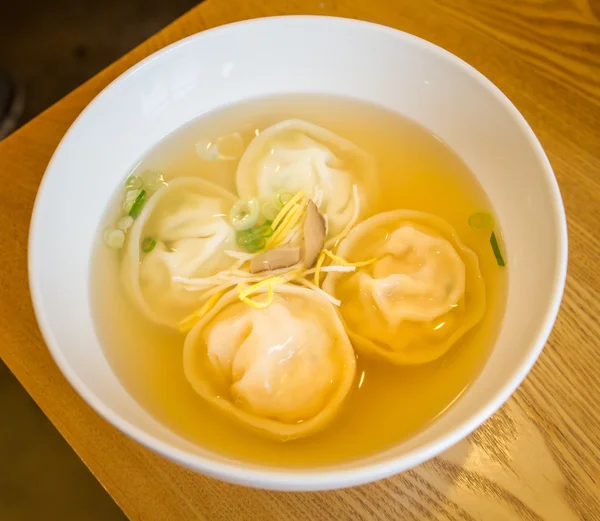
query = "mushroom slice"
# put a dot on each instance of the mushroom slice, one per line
(314, 234)
(275, 259)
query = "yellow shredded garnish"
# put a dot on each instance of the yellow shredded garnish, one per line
(342, 262)
(346, 263)
(259, 305)
(293, 217)
(334, 241)
(189, 322)
(281, 232)
(286, 221)
(286, 208)
(294, 274)
(320, 261)
(245, 291)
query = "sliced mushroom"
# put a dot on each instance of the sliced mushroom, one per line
(314, 234)
(275, 259)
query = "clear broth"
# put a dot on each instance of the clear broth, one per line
(388, 404)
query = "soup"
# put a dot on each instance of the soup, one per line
(299, 280)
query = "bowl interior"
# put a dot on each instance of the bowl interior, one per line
(320, 55)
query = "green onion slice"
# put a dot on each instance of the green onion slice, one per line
(496, 248)
(257, 245)
(245, 213)
(138, 204)
(152, 180)
(270, 210)
(114, 238)
(124, 223)
(250, 240)
(133, 181)
(148, 244)
(129, 199)
(481, 221)
(264, 230)
(245, 237)
(283, 197)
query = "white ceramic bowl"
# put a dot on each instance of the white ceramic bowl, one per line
(283, 55)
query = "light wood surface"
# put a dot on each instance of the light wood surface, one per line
(538, 457)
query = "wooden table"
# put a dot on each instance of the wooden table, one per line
(538, 457)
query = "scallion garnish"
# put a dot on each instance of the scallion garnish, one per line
(148, 244)
(152, 180)
(481, 221)
(264, 230)
(134, 182)
(252, 240)
(270, 210)
(244, 237)
(283, 197)
(124, 223)
(496, 248)
(137, 204)
(244, 214)
(256, 245)
(114, 238)
(129, 199)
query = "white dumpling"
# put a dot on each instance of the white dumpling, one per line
(283, 370)
(422, 293)
(188, 219)
(418, 276)
(296, 155)
(265, 348)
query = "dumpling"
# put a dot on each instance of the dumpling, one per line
(296, 155)
(283, 370)
(188, 220)
(423, 292)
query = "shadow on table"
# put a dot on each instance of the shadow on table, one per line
(41, 477)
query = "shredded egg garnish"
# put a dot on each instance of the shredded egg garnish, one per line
(344, 262)
(258, 305)
(334, 241)
(341, 263)
(286, 208)
(242, 279)
(320, 261)
(244, 291)
(189, 322)
(287, 225)
(288, 220)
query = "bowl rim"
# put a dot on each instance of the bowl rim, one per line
(319, 478)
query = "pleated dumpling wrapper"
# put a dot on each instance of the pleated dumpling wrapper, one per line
(283, 370)
(188, 220)
(423, 292)
(296, 155)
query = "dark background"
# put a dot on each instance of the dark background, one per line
(50, 47)
(53, 46)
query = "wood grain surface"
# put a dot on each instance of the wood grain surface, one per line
(538, 458)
